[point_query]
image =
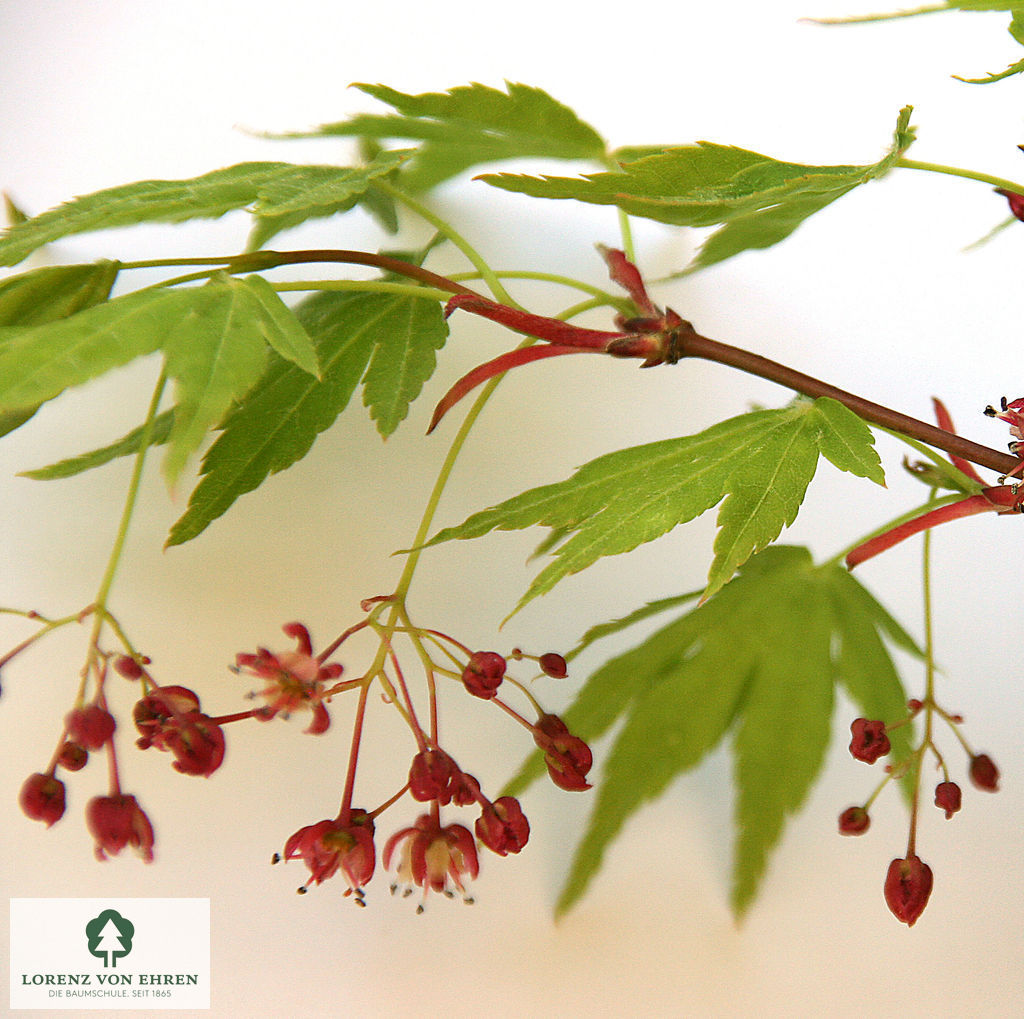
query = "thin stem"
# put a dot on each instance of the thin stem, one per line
(956, 171)
(692, 344)
(345, 814)
(364, 286)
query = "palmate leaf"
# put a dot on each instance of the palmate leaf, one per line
(760, 200)
(470, 125)
(761, 463)
(739, 663)
(386, 341)
(281, 194)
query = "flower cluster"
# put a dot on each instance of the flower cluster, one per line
(908, 881)
(432, 853)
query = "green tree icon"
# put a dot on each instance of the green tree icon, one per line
(110, 936)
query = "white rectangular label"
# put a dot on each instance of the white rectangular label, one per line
(110, 953)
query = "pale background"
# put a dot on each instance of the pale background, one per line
(875, 294)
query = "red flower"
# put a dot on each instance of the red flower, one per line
(296, 679)
(431, 855)
(984, 774)
(73, 756)
(553, 665)
(947, 798)
(42, 798)
(118, 821)
(483, 674)
(90, 726)
(854, 821)
(169, 719)
(908, 883)
(503, 826)
(568, 757)
(329, 846)
(869, 740)
(431, 776)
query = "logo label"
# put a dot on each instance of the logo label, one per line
(108, 954)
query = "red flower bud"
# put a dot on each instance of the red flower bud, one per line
(984, 773)
(947, 798)
(503, 826)
(431, 776)
(42, 798)
(908, 883)
(483, 674)
(869, 740)
(568, 757)
(73, 756)
(1015, 201)
(128, 667)
(91, 726)
(118, 821)
(554, 665)
(854, 821)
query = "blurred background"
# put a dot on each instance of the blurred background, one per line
(876, 294)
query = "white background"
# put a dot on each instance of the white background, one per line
(875, 294)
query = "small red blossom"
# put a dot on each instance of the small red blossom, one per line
(984, 774)
(129, 667)
(118, 821)
(484, 673)
(553, 665)
(296, 679)
(169, 719)
(91, 726)
(431, 776)
(568, 757)
(329, 846)
(947, 798)
(42, 798)
(465, 790)
(908, 883)
(869, 740)
(854, 821)
(73, 756)
(503, 826)
(431, 855)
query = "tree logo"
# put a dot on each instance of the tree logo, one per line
(110, 936)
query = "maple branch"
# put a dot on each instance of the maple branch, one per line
(690, 343)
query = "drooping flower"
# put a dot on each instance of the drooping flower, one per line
(869, 740)
(329, 846)
(117, 821)
(91, 726)
(169, 719)
(568, 757)
(984, 774)
(296, 679)
(484, 673)
(854, 821)
(42, 798)
(431, 776)
(908, 883)
(948, 797)
(503, 826)
(432, 855)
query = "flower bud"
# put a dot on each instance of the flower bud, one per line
(1016, 201)
(90, 726)
(73, 756)
(118, 821)
(129, 667)
(483, 674)
(568, 757)
(869, 740)
(503, 826)
(854, 821)
(984, 773)
(42, 798)
(947, 798)
(431, 775)
(908, 883)
(554, 665)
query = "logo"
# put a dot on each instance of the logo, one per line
(110, 936)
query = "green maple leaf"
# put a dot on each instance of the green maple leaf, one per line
(388, 342)
(280, 194)
(760, 200)
(760, 661)
(470, 125)
(760, 463)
